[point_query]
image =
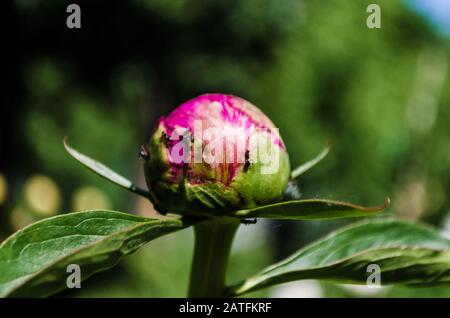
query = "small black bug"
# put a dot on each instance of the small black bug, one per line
(247, 161)
(249, 221)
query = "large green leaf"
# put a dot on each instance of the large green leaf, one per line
(312, 209)
(407, 253)
(33, 261)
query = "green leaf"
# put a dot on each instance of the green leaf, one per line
(33, 261)
(105, 172)
(311, 209)
(407, 253)
(309, 164)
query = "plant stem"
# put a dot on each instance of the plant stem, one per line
(213, 239)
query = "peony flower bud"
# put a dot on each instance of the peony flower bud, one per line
(213, 154)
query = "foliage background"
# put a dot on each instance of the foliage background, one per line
(381, 97)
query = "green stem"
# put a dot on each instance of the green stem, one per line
(213, 239)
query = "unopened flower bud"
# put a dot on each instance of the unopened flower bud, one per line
(213, 154)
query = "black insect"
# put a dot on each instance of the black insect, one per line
(247, 161)
(249, 221)
(165, 138)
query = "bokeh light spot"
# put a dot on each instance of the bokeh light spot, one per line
(20, 218)
(3, 189)
(88, 198)
(42, 195)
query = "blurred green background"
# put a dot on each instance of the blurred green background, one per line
(381, 97)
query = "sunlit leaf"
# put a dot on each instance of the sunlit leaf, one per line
(406, 253)
(312, 209)
(309, 164)
(33, 261)
(105, 172)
